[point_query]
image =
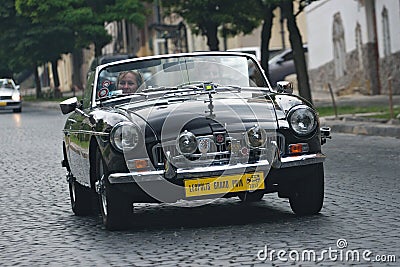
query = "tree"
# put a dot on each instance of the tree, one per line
(294, 36)
(38, 31)
(20, 41)
(64, 26)
(296, 43)
(207, 16)
(131, 11)
(7, 18)
(267, 8)
(84, 18)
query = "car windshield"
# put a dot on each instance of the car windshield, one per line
(178, 71)
(6, 84)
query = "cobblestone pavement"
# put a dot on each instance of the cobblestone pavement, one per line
(38, 228)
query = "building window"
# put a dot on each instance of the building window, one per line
(359, 46)
(386, 32)
(339, 47)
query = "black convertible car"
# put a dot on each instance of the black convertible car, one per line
(189, 128)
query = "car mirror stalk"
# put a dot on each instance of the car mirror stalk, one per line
(325, 134)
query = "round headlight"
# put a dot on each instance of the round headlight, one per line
(256, 136)
(125, 136)
(16, 96)
(302, 120)
(186, 143)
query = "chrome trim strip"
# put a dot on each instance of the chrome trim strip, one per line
(293, 161)
(118, 178)
(86, 132)
(121, 178)
(301, 160)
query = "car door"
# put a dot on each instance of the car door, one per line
(74, 145)
(79, 133)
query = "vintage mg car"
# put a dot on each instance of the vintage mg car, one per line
(191, 128)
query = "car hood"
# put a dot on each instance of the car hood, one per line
(204, 116)
(6, 92)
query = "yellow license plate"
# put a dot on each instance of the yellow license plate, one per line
(2, 104)
(224, 184)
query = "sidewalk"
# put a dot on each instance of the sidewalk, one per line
(351, 123)
(358, 123)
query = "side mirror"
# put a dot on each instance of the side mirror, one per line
(69, 105)
(17, 87)
(284, 87)
(325, 134)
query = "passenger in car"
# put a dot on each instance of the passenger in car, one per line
(129, 81)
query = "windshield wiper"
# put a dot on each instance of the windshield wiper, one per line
(156, 89)
(230, 88)
(191, 88)
(110, 97)
(168, 91)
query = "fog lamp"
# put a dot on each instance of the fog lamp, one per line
(186, 143)
(256, 136)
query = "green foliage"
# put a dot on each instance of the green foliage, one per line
(380, 111)
(235, 16)
(14, 28)
(130, 10)
(68, 20)
(39, 31)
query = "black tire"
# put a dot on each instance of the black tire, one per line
(308, 197)
(248, 197)
(116, 209)
(17, 110)
(81, 199)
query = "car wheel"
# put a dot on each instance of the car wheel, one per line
(116, 209)
(17, 110)
(81, 199)
(308, 197)
(251, 196)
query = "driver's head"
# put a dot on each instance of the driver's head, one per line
(129, 81)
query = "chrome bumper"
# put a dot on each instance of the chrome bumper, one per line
(301, 160)
(10, 105)
(264, 165)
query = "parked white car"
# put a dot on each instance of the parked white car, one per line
(10, 96)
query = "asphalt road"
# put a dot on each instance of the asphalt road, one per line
(360, 214)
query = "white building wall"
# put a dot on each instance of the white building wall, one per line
(393, 8)
(112, 29)
(319, 20)
(65, 70)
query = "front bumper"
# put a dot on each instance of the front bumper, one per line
(9, 105)
(264, 165)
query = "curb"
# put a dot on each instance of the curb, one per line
(42, 104)
(362, 128)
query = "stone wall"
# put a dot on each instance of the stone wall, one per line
(390, 67)
(359, 79)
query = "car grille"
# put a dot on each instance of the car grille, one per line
(5, 97)
(218, 153)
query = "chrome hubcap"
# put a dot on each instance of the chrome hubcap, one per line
(100, 188)
(73, 192)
